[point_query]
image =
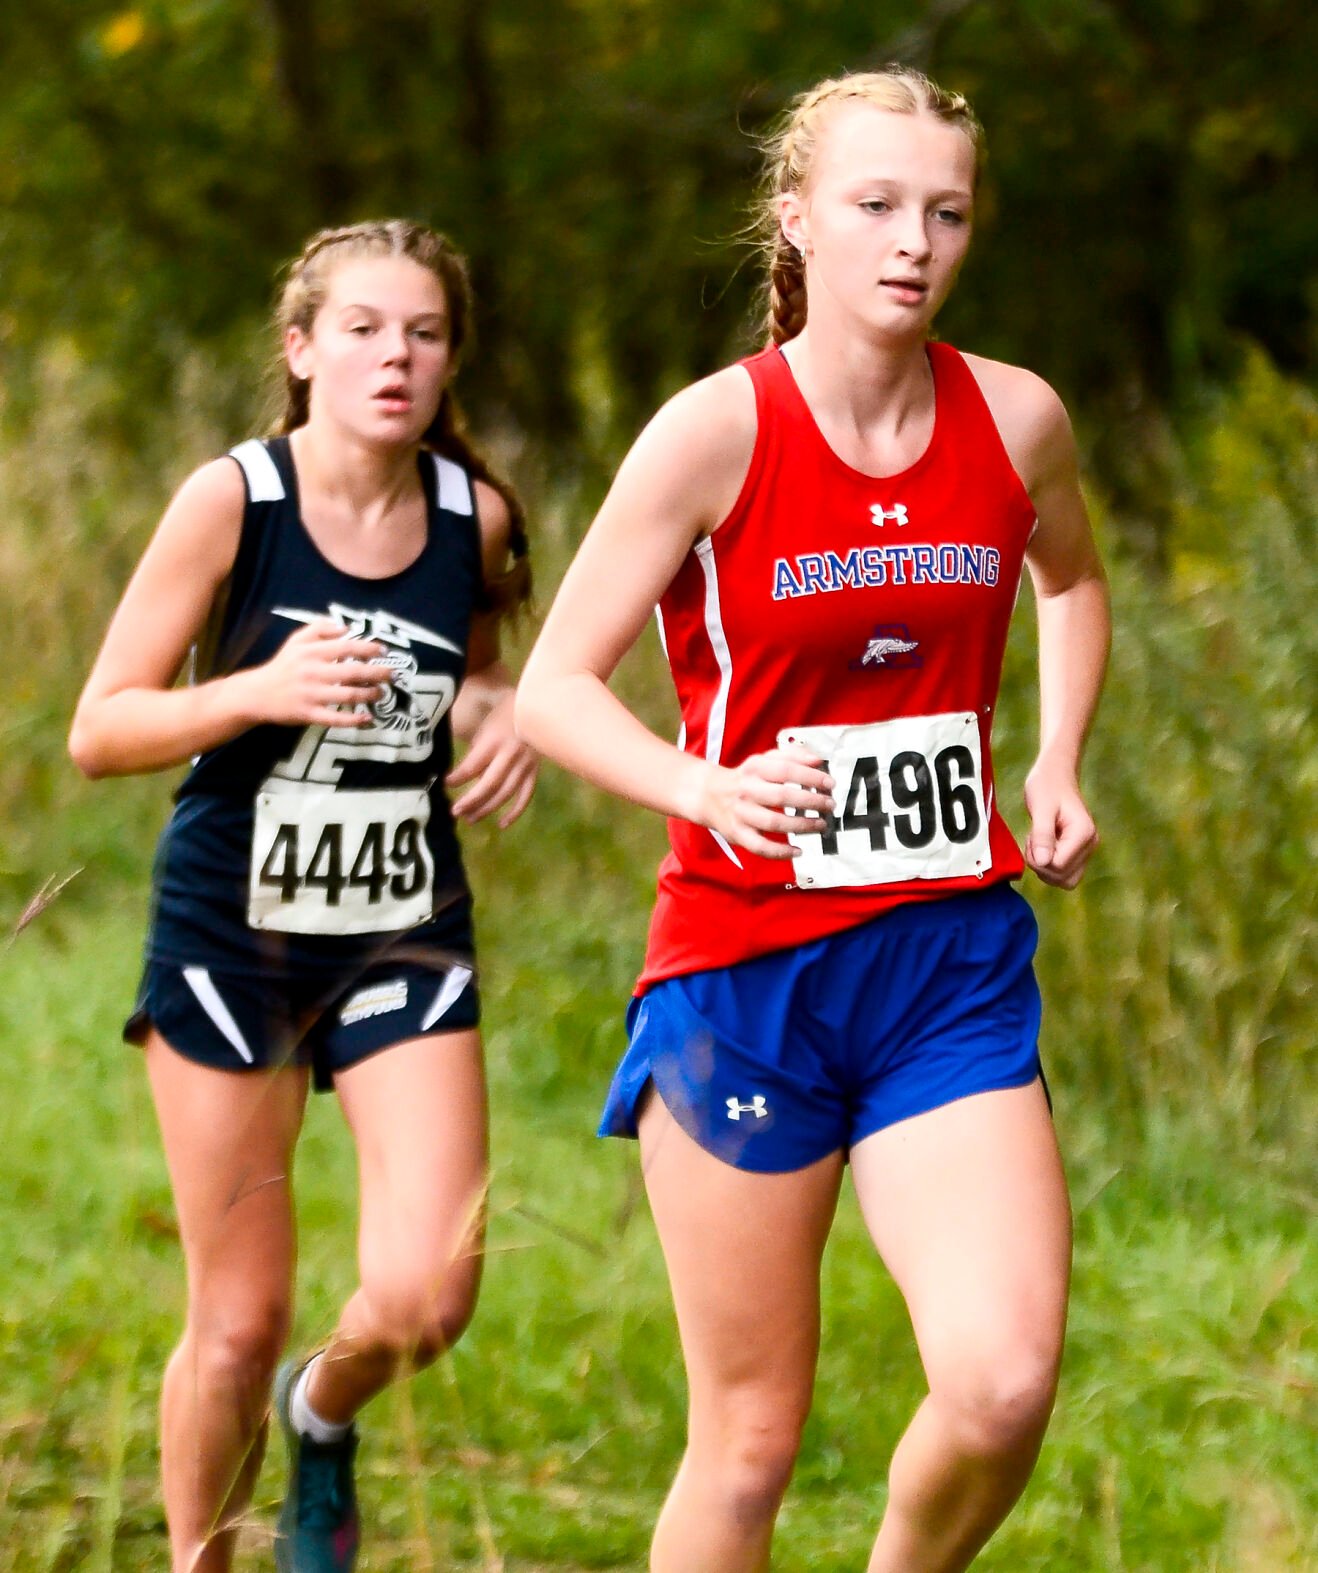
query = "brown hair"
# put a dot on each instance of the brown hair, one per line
(790, 155)
(306, 287)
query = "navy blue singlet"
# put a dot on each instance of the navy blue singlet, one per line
(314, 849)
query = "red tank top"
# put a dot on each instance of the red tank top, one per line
(867, 616)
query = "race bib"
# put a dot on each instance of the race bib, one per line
(909, 798)
(329, 861)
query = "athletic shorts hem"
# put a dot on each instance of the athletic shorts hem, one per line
(139, 1024)
(242, 1023)
(944, 1101)
(448, 1030)
(621, 1121)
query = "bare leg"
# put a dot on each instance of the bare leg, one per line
(743, 1253)
(417, 1111)
(228, 1141)
(968, 1207)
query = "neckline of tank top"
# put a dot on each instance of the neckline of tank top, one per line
(426, 474)
(942, 394)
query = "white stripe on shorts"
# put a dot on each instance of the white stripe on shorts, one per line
(208, 996)
(450, 990)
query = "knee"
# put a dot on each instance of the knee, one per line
(238, 1347)
(415, 1318)
(752, 1457)
(1001, 1408)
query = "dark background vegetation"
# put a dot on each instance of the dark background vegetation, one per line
(1148, 240)
(1150, 199)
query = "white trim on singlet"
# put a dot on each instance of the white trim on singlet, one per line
(263, 482)
(208, 997)
(450, 991)
(453, 485)
(663, 645)
(718, 641)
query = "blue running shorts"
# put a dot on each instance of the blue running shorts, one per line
(247, 1021)
(778, 1061)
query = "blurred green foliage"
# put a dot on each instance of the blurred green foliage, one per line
(1150, 196)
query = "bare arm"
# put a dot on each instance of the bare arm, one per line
(676, 485)
(499, 769)
(131, 719)
(1071, 594)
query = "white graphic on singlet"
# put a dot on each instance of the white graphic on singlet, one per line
(405, 716)
(897, 513)
(877, 651)
(756, 1107)
(331, 860)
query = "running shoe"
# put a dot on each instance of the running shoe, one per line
(317, 1530)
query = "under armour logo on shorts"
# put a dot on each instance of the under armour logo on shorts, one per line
(755, 1107)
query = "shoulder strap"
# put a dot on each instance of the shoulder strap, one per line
(264, 482)
(265, 485)
(959, 388)
(455, 492)
(453, 488)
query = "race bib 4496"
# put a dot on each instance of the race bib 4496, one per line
(909, 798)
(330, 861)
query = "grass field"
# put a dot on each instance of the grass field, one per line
(1185, 1433)
(1179, 1034)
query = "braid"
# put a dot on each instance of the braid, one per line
(787, 302)
(447, 436)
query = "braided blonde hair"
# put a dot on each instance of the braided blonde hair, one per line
(306, 288)
(790, 155)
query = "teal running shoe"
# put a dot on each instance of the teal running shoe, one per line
(317, 1531)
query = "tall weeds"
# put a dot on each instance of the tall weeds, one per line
(1179, 979)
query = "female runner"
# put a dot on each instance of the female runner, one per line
(838, 967)
(341, 586)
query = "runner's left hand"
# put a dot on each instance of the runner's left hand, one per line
(500, 768)
(1062, 833)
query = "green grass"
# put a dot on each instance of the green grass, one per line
(1184, 1437)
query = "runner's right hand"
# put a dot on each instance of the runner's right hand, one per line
(320, 676)
(747, 804)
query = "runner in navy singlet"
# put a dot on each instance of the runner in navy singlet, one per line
(340, 587)
(839, 968)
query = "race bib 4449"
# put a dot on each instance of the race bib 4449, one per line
(909, 798)
(330, 861)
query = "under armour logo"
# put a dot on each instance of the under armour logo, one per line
(755, 1107)
(897, 513)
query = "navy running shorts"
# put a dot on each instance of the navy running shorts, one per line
(775, 1062)
(250, 1021)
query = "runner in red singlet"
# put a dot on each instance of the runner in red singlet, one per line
(839, 967)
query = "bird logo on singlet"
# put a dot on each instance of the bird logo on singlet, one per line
(398, 707)
(889, 647)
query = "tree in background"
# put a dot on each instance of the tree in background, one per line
(1150, 195)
